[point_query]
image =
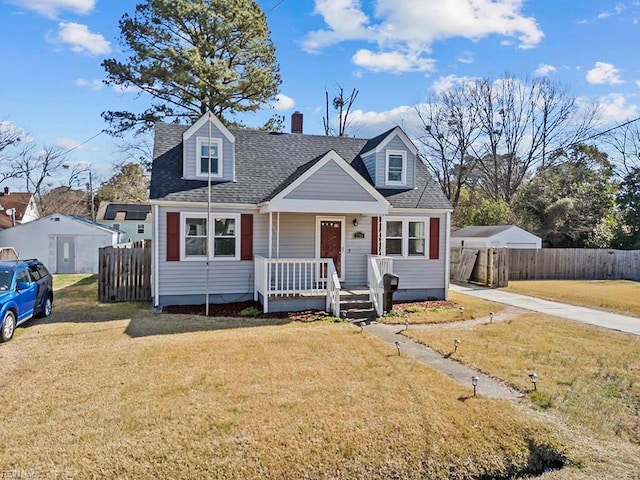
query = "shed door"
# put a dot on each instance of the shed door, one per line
(66, 255)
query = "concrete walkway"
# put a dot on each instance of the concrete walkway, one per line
(600, 318)
(487, 386)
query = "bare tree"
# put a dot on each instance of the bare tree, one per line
(342, 106)
(35, 165)
(10, 138)
(449, 129)
(626, 144)
(64, 199)
(136, 149)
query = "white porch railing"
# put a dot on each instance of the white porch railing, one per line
(376, 269)
(285, 277)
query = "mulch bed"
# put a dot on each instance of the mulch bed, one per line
(234, 309)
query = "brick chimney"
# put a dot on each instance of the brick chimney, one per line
(296, 122)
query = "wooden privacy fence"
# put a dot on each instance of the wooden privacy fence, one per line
(124, 273)
(574, 264)
(486, 266)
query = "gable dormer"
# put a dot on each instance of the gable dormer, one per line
(391, 160)
(208, 140)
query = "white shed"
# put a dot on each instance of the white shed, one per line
(64, 243)
(497, 236)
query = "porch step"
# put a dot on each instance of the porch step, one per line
(355, 304)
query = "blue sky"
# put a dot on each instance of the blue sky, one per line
(395, 52)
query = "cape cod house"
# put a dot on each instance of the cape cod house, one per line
(292, 220)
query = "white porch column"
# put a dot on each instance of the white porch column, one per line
(270, 233)
(278, 236)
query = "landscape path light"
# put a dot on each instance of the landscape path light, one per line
(398, 347)
(474, 382)
(461, 310)
(534, 379)
(456, 342)
(490, 317)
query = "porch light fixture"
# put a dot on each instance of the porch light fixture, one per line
(355, 222)
(456, 342)
(534, 379)
(474, 382)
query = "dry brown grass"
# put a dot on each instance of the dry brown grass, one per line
(588, 374)
(473, 308)
(112, 391)
(620, 296)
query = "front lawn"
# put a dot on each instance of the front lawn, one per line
(620, 296)
(113, 391)
(587, 374)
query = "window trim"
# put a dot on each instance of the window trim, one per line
(211, 231)
(405, 237)
(403, 180)
(200, 141)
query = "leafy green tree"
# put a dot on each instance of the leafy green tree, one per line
(129, 184)
(192, 56)
(572, 202)
(492, 212)
(628, 200)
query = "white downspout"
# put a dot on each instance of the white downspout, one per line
(447, 255)
(156, 257)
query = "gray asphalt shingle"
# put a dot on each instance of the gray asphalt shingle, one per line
(266, 163)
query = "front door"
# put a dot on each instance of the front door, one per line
(66, 255)
(331, 241)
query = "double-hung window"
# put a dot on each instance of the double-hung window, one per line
(208, 152)
(406, 237)
(224, 236)
(396, 167)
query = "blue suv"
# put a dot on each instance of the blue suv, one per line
(26, 290)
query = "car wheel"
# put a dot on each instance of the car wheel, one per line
(48, 306)
(8, 326)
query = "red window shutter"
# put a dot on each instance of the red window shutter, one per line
(375, 224)
(173, 236)
(246, 237)
(434, 238)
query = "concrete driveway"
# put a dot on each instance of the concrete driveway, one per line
(613, 321)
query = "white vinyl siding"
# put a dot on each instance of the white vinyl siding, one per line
(331, 182)
(191, 149)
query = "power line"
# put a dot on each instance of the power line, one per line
(610, 129)
(80, 144)
(276, 6)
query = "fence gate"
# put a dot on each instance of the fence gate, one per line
(124, 273)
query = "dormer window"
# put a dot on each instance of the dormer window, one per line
(206, 151)
(396, 167)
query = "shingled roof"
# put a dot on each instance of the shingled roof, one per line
(266, 163)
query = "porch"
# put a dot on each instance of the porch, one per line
(314, 283)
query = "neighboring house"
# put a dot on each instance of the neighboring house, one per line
(498, 236)
(16, 208)
(64, 243)
(133, 219)
(293, 217)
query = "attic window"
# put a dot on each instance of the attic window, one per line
(396, 167)
(206, 151)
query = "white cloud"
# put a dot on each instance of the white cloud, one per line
(638, 83)
(95, 84)
(604, 73)
(442, 84)
(544, 69)
(369, 124)
(52, 8)
(81, 39)
(283, 102)
(410, 27)
(394, 62)
(70, 144)
(10, 128)
(612, 108)
(466, 57)
(617, 10)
